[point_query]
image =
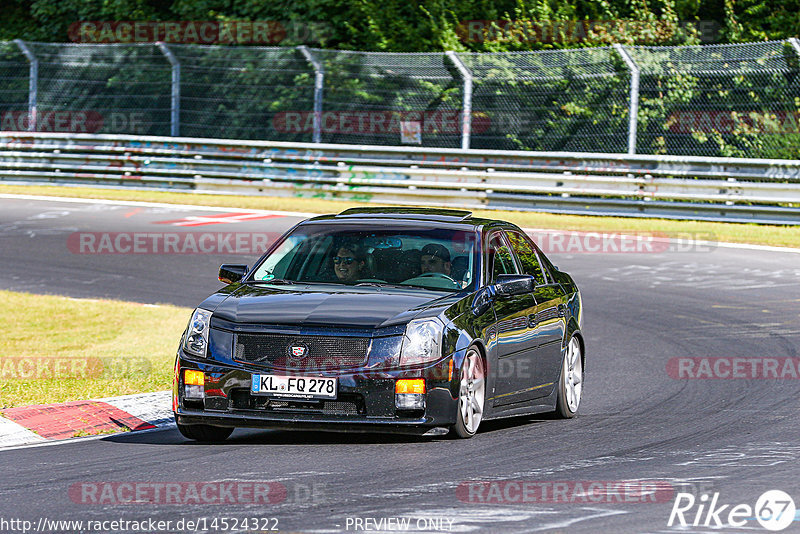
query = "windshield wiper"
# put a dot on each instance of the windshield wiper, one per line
(275, 281)
(379, 284)
(433, 288)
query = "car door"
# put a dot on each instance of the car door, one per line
(547, 323)
(514, 347)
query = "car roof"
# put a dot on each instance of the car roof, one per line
(406, 213)
(409, 214)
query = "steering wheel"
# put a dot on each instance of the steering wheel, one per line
(433, 274)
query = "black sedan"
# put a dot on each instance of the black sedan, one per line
(383, 319)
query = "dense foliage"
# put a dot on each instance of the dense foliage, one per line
(411, 25)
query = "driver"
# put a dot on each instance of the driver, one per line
(435, 259)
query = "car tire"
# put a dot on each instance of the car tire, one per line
(471, 394)
(570, 381)
(205, 433)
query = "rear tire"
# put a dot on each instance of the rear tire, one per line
(570, 381)
(471, 394)
(205, 433)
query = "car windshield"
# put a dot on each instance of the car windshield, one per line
(438, 259)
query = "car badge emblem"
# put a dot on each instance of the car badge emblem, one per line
(297, 351)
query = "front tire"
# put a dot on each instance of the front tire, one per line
(570, 382)
(205, 433)
(472, 393)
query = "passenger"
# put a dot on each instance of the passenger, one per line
(349, 263)
(435, 259)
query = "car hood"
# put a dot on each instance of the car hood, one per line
(352, 307)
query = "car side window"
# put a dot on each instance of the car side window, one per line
(526, 254)
(500, 258)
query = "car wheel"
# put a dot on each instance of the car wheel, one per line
(205, 433)
(570, 383)
(471, 394)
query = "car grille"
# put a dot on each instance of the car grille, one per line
(347, 404)
(328, 407)
(340, 407)
(320, 352)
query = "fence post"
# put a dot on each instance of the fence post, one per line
(795, 44)
(319, 79)
(175, 98)
(634, 112)
(466, 110)
(33, 83)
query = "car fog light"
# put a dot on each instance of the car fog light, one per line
(193, 384)
(409, 401)
(416, 385)
(410, 394)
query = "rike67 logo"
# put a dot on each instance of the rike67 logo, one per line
(774, 510)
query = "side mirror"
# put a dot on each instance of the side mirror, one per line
(229, 273)
(514, 284)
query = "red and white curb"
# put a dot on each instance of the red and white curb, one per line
(42, 423)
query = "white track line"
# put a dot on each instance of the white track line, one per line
(156, 205)
(51, 443)
(722, 244)
(685, 242)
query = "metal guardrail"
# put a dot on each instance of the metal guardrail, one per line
(681, 187)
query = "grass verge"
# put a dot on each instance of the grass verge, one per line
(56, 349)
(781, 236)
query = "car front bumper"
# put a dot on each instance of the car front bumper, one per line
(365, 400)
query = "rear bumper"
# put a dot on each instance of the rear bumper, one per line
(365, 400)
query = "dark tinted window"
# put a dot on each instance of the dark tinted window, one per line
(339, 253)
(526, 254)
(500, 259)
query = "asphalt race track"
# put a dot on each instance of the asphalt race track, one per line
(735, 437)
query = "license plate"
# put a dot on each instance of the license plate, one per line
(295, 387)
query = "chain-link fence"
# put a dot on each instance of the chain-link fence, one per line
(570, 100)
(717, 100)
(720, 100)
(242, 92)
(368, 97)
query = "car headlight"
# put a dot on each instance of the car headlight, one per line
(196, 340)
(422, 341)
